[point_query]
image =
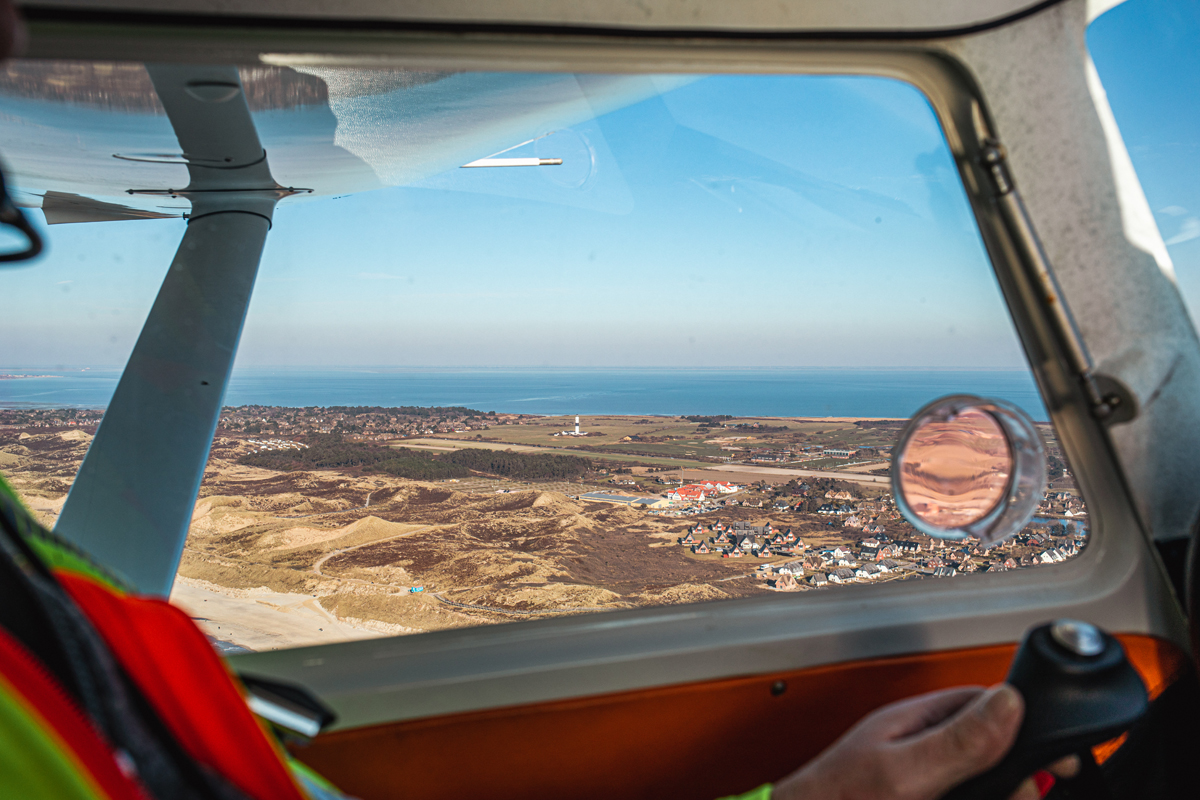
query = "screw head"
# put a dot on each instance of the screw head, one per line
(1080, 638)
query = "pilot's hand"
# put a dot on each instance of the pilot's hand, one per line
(919, 749)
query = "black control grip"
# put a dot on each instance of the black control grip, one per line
(1079, 691)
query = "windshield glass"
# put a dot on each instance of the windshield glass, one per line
(525, 345)
(1147, 53)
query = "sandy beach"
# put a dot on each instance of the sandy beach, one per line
(260, 619)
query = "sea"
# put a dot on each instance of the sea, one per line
(775, 392)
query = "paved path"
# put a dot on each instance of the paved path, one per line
(799, 473)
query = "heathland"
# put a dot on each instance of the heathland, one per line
(323, 524)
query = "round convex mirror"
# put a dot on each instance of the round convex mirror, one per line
(966, 466)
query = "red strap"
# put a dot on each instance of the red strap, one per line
(44, 697)
(181, 675)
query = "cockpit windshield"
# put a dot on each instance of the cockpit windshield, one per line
(520, 345)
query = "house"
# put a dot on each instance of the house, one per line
(827, 508)
(746, 543)
(785, 583)
(701, 549)
(908, 547)
(793, 568)
(869, 553)
(864, 572)
(717, 487)
(688, 539)
(818, 579)
(745, 528)
(841, 576)
(814, 562)
(888, 565)
(852, 521)
(945, 572)
(689, 493)
(1052, 556)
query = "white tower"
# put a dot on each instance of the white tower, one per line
(576, 426)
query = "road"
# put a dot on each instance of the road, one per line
(321, 561)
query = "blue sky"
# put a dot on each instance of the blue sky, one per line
(1147, 53)
(721, 221)
(733, 220)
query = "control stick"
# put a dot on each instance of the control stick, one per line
(1079, 691)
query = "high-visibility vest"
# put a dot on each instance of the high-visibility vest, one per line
(181, 690)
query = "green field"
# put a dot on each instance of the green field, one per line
(683, 443)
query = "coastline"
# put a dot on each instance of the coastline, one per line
(262, 619)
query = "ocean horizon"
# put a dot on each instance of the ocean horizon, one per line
(669, 391)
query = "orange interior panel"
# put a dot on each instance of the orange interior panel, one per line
(697, 740)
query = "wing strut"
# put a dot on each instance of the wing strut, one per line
(132, 501)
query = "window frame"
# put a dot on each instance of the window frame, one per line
(1116, 580)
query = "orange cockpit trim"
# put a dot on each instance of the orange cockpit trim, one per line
(1160, 664)
(696, 740)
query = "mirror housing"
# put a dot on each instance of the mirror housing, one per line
(968, 466)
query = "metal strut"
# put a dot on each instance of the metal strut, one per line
(1103, 405)
(131, 503)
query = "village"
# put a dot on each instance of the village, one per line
(857, 540)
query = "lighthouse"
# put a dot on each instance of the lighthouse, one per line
(576, 426)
